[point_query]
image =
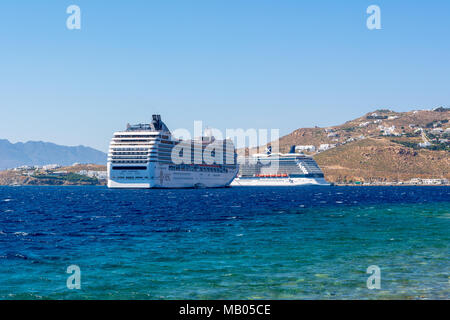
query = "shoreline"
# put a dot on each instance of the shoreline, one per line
(331, 185)
(391, 185)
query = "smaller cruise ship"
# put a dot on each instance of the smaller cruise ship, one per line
(279, 169)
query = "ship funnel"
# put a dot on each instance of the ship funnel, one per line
(292, 149)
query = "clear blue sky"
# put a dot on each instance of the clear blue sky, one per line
(233, 64)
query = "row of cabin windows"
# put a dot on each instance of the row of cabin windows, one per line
(136, 136)
(130, 149)
(132, 152)
(182, 167)
(127, 157)
(128, 161)
(126, 141)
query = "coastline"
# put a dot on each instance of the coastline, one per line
(391, 185)
(104, 184)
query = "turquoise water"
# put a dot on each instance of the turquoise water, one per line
(236, 243)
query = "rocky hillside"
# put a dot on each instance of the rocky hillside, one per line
(72, 175)
(374, 124)
(382, 160)
(380, 146)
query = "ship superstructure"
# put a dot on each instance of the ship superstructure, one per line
(148, 156)
(278, 169)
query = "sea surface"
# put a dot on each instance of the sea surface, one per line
(235, 243)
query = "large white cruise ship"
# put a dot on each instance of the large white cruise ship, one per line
(278, 169)
(147, 156)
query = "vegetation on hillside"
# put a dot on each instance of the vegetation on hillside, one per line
(70, 177)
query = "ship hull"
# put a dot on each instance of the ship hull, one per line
(161, 177)
(278, 182)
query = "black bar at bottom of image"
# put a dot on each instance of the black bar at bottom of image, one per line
(226, 309)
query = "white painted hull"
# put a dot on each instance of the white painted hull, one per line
(159, 176)
(278, 182)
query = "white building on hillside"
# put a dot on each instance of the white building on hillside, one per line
(437, 131)
(326, 146)
(101, 175)
(388, 131)
(51, 166)
(424, 144)
(306, 148)
(332, 134)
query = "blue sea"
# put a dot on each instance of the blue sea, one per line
(235, 243)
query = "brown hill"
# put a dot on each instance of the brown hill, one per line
(404, 123)
(80, 167)
(379, 146)
(380, 159)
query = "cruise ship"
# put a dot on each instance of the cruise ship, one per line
(278, 169)
(148, 156)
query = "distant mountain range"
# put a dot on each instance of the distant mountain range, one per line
(41, 153)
